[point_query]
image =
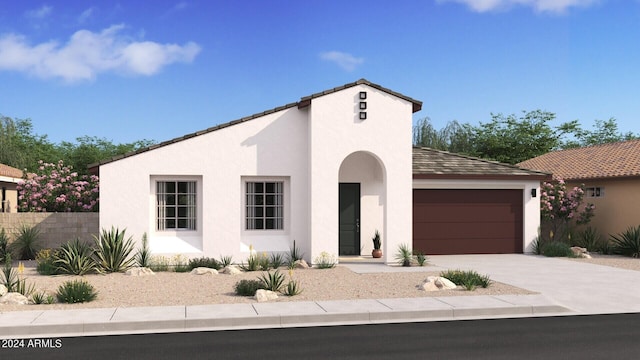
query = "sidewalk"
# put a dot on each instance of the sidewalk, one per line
(565, 288)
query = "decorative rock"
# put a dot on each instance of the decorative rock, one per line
(14, 298)
(3, 290)
(301, 264)
(139, 271)
(580, 252)
(435, 283)
(263, 295)
(231, 270)
(204, 271)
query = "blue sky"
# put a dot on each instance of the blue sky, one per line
(128, 70)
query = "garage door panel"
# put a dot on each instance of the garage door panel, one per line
(482, 230)
(467, 221)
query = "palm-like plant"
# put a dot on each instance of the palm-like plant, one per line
(27, 243)
(628, 242)
(143, 256)
(113, 252)
(75, 258)
(404, 255)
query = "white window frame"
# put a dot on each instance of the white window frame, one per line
(154, 220)
(594, 191)
(285, 205)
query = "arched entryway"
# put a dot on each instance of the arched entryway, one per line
(362, 198)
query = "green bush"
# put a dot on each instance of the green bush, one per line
(45, 260)
(590, 239)
(113, 252)
(75, 258)
(27, 243)
(470, 279)
(276, 260)
(42, 297)
(253, 263)
(204, 262)
(4, 246)
(557, 249)
(272, 280)
(248, 287)
(627, 243)
(143, 255)
(421, 258)
(76, 291)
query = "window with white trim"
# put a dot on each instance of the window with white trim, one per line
(595, 191)
(176, 205)
(264, 205)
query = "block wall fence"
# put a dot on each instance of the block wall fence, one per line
(55, 228)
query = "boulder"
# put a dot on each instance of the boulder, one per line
(139, 271)
(300, 264)
(14, 298)
(580, 252)
(436, 283)
(263, 295)
(231, 270)
(3, 290)
(204, 271)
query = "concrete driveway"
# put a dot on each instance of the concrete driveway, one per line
(584, 288)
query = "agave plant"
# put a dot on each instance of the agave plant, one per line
(113, 251)
(27, 243)
(75, 258)
(404, 255)
(628, 242)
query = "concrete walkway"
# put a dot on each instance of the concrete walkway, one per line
(565, 287)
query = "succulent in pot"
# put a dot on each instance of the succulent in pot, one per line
(377, 252)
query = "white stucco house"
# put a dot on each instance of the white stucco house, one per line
(326, 171)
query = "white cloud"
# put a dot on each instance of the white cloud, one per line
(87, 54)
(85, 15)
(554, 6)
(39, 13)
(346, 61)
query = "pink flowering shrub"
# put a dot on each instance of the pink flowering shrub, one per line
(55, 188)
(560, 208)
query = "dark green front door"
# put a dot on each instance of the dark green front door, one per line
(349, 237)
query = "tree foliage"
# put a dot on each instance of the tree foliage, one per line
(513, 139)
(561, 207)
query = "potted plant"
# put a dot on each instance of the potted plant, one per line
(377, 252)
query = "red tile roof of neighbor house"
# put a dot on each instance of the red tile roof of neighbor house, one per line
(437, 164)
(8, 171)
(614, 160)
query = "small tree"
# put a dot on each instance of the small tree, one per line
(560, 208)
(56, 188)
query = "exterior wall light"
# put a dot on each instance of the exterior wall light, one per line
(534, 193)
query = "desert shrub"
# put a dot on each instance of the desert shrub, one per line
(253, 263)
(292, 288)
(325, 260)
(76, 291)
(143, 255)
(226, 261)
(180, 263)
(248, 287)
(627, 243)
(45, 262)
(294, 254)
(590, 239)
(469, 279)
(204, 262)
(27, 242)
(276, 260)
(272, 280)
(42, 297)
(404, 255)
(113, 251)
(421, 258)
(75, 258)
(557, 249)
(537, 245)
(4, 246)
(12, 281)
(159, 263)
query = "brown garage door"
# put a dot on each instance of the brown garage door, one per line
(467, 221)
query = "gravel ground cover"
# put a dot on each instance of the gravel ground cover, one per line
(170, 288)
(617, 261)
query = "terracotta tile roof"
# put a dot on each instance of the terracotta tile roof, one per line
(304, 102)
(621, 159)
(433, 164)
(8, 171)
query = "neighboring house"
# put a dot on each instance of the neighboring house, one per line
(9, 179)
(611, 176)
(326, 172)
